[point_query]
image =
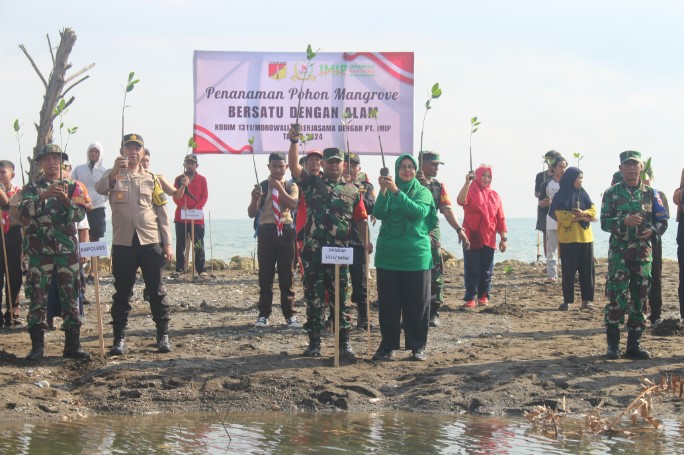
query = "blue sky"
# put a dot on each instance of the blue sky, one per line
(595, 77)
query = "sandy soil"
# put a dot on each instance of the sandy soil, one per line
(499, 360)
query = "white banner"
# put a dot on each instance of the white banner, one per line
(243, 96)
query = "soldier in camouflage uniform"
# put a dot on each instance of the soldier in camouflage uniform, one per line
(332, 205)
(627, 213)
(51, 244)
(357, 271)
(430, 167)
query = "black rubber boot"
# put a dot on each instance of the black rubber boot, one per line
(346, 351)
(119, 346)
(37, 344)
(314, 349)
(72, 344)
(613, 338)
(634, 349)
(163, 344)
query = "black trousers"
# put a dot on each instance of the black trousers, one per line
(403, 296)
(577, 258)
(274, 253)
(655, 293)
(357, 271)
(125, 263)
(181, 230)
(13, 240)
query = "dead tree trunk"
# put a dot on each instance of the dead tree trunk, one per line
(54, 89)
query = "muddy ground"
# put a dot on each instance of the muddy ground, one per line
(499, 360)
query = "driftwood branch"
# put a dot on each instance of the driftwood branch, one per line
(52, 54)
(78, 73)
(35, 67)
(74, 85)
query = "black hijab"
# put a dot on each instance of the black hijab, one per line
(567, 196)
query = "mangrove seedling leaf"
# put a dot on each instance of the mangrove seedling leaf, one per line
(436, 91)
(473, 120)
(310, 54)
(72, 130)
(475, 130)
(309, 137)
(17, 127)
(373, 113)
(130, 76)
(427, 105)
(251, 140)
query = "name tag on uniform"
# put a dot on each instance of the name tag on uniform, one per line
(93, 249)
(193, 214)
(337, 255)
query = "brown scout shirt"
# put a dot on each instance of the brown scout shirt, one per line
(130, 197)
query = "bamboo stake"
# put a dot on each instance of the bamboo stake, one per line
(337, 321)
(96, 281)
(368, 281)
(211, 245)
(192, 239)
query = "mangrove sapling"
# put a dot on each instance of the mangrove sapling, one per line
(374, 115)
(346, 121)
(251, 143)
(474, 124)
(18, 137)
(61, 111)
(310, 55)
(507, 270)
(579, 157)
(435, 93)
(304, 140)
(130, 85)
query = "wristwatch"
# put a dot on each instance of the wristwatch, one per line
(504, 239)
(459, 230)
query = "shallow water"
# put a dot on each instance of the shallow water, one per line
(265, 433)
(236, 237)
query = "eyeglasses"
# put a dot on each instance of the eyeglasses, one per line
(407, 167)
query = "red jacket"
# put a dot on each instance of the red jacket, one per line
(198, 188)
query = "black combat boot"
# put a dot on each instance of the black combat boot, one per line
(314, 349)
(163, 344)
(634, 349)
(119, 346)
(346, 351)
(72, 344)
(37, 344)
(613, 338)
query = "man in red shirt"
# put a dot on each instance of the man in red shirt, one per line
(194, 197)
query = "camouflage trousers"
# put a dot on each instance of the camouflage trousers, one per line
(38, 283)
(436, 281)
(319, 281)
(627, 286)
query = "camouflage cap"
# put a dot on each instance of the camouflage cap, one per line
(332, 153)
(52, 149)
(352, 157)
(191, 157)
(630, 155)
(136, 138)
(432, 156)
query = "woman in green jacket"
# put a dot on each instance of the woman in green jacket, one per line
(403, 260)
